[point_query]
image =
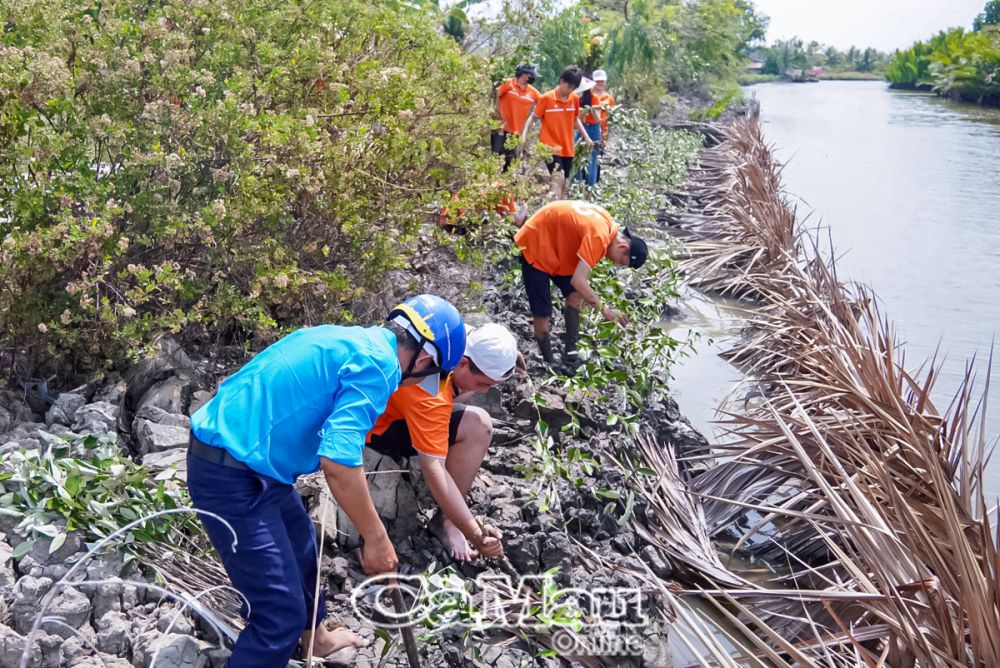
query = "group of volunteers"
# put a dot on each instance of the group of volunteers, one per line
(315, 399)
(577, 107)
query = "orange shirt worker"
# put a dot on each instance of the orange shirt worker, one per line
(559, 114)
(561, 243)
(595, 119)
(515, 98)
(604, 100)
(449, 438)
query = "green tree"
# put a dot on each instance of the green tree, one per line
(867, 61)
(851, 57)
(990, 16)
(564, 40)
(230, 167)
(657, 45)
(814, 52)
(450, 15)
(753, 25)
(912, 66)
(791, 55)
(642, 33)
(956, 63)
(712, 37)
(772, 62)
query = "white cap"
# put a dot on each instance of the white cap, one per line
(493, 349)
(585, 85)
(600, 75)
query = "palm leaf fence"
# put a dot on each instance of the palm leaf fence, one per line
(865, 493)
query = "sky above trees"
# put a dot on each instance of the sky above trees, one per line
(884, 24)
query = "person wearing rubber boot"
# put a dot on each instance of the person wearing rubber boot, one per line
(303, 404)
(451, 439)
(558, 113)
(561, 243)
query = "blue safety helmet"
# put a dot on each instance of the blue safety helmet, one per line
(438, 327)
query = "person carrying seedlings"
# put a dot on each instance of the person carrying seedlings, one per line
(515, 98)
(305, 403)
(595, 121)
(559, 114)
(561, 243)
(607, 102)
(449, 438)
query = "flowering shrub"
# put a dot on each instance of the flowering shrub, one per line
(216, 168)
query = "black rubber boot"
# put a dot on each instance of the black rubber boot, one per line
(545, 345)
(572, 317)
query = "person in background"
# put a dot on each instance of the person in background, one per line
(515, 98)
(458, 222)
(559, 113)
(595, 121)
(561, 243)
(449, 438)
(304, 404)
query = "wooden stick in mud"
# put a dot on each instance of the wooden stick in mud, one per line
(502, 560)
(409, 640)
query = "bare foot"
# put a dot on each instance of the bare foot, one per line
(456, 543)
(329, 641)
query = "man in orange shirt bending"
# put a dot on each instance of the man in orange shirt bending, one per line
(515, 98)
(450, 438)
(559, 111)
(561, 243)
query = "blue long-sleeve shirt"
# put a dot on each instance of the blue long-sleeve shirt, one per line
(315, 393)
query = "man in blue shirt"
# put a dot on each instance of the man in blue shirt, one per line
(305, 403)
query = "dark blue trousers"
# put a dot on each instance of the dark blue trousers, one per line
(274, 563)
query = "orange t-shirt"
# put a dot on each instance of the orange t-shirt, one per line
(515, 104)
(607, 102)
(595, 114)
(507, 205)
(427, 418)
(562, 233)
(558, 120)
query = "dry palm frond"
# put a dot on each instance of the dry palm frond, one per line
(676, 525)
(860, 483)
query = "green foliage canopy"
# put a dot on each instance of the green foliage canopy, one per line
(795, 54)
(656, 46)
(230, 166)
(956, 63)
(990, 16)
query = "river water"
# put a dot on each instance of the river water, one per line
(907, 185)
